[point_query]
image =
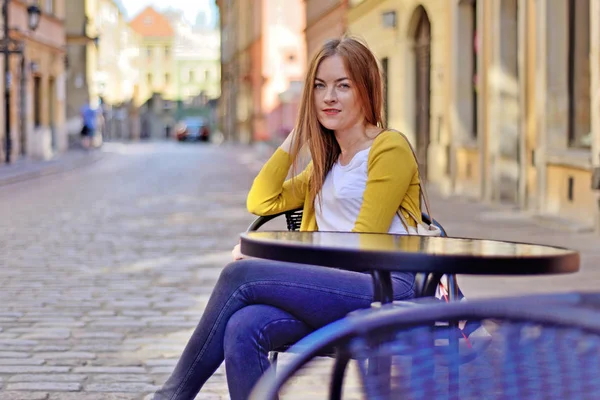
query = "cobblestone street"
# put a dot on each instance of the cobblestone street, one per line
(106, 268)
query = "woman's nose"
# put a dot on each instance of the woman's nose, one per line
(330, 96)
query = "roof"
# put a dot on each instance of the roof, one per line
(151, 23)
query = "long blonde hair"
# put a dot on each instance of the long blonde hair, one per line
(364, 71)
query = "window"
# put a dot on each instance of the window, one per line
(50, 6)
(467, 75)
(167, 51)
(108, 14)
(191, 76)
(578, 74)
(167, 78)
(384, 68)
(37, 101)
(149, 78)
(388, 19)
(474, 72)
(149, 51)
(148, 20)
(207, 75)
(570, 187)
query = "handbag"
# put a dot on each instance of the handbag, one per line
(467, 327)
(422, 229)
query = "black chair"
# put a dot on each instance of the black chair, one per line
(425, 283)
(543, 347)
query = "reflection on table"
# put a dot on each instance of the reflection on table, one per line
(409, 244)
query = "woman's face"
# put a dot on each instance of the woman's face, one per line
(335, 98)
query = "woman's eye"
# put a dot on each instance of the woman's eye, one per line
(344, 86)
(319, 85)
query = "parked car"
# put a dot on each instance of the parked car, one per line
(193, 128)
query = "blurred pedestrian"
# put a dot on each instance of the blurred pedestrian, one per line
(362, 177)
(89, 116)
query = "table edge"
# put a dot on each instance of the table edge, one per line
(569, 262)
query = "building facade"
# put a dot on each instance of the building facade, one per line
(37, 92)
(118, 65)
(157, 61)
(325, 19)
(500, 97)
(537, 142)
(197, 62)
(227, 107)
(103, 58)
(263, 57)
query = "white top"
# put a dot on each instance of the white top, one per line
(342, 196)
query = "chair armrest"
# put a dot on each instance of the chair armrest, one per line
(260, 221)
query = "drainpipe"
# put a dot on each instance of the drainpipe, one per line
(595, 104)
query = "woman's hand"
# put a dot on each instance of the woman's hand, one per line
(236, 253)
(287, 143)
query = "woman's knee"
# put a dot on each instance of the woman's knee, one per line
(260, 326)
(238, 272)
(244, 328)
(236, 329)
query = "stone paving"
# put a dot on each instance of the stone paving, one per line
(107, 268)
(23, 169)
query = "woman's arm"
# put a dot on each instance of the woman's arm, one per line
(391, 168)
(271, 193)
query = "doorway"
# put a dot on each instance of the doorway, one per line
(51, 110)
(23, 106)
(466, 73)
(422, 53)
(508, 140)
(578, 74)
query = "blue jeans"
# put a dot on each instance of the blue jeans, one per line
(258, 305)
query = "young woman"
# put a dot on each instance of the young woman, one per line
(360, 177)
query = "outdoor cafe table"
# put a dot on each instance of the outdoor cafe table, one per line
(383, 254)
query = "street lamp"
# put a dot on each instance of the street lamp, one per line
(34, 13)
(10, 46)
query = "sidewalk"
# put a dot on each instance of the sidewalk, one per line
(24, 169)
(469, 218)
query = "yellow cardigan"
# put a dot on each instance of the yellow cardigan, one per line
(392, 185)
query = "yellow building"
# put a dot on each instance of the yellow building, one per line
(157, 65)
(103, 53)
(497, 95)
(413, 51)
(37, 92)
(117, 68)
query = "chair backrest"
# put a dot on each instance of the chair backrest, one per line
(294, 219)
(535, 351)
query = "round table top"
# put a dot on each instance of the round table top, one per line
(402, 253)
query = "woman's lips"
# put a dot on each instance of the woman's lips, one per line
(331, 111)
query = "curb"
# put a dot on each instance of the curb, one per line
(60, 167)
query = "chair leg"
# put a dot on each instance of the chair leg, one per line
(273, 370)
(337, 380)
